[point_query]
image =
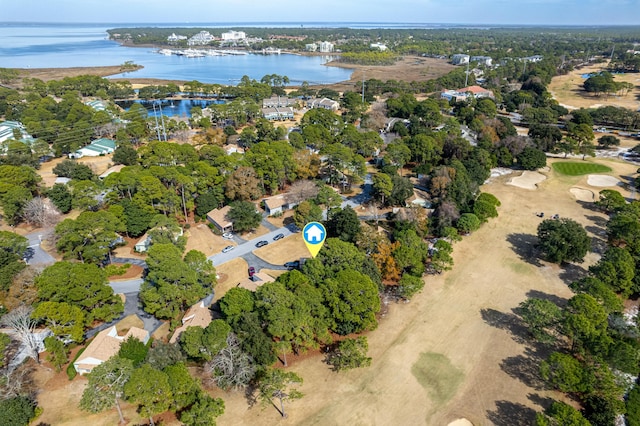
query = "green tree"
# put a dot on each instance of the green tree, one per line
(279, 384)
(150, 389)
(244, 216)
(563, 240)
(563, 414)
(532, 158)
(616, 268)
(235, 302)
(541, 317)
(585, 323)
(205, 343)
(409, 285)
(16, 411)
(82, 285)
(633, 406)
(565, 373)
(5, 341)
(203, 412)
(306, 212)
(126, 155)
(64, 320)
(163, 354)
(607, 141)
(60, 197)
(133, 349)
(12, 250)
(171, 285)
(468, 223)
(90, 237)
(106, 386)
(610, 200)
(353, 301)
(343, 224)
(441, 259)
(57, 352)
(184, 388)
(350, 353)
(382, 186)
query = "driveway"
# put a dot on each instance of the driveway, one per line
(38, 256)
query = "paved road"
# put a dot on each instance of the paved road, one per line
(244, 249)
(38, 256)
(126, 286)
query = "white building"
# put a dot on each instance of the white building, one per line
(379, 46)
(234, 35)
(460, 59)
(311, 47)
(174, 38)
(482, 60)
(200, 39)
(325, 47)
(534, 58)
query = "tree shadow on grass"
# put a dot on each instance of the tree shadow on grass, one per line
(535, 294)
(511, 414)
(524, 245)
(589, 205)
(571, 272)
(599, 242)
(526, 369)
(598, 221)
(508, 322)
(541, 401)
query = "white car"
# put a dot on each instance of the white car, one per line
(227, 249)
(228, 235)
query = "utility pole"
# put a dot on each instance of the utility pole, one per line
(164, 131)
(466, 76)
(362, 87)
(155, 116)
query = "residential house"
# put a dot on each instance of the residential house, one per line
(96, 148)
(278, 113)
(378, 46)
(114, 169)
(482, 60)
(534, 58)
(466, 92)
(460, 59)
(16, 131)
(325, 103)
(144, 242)
(276, 101)
(198, 315)
(277, 204)
(105, 345)
(220, 220)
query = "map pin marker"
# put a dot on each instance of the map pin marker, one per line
(314, 235)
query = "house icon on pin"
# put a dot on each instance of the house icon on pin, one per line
(314, 234)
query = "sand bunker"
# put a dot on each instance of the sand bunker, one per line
(460, 422)
(583, 194)
(602, 180)
(528, 180)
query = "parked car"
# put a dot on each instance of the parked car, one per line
(278, 237)
(292, 265)
(262, 243)
(227, 249)
(252, 271)
(228, 235)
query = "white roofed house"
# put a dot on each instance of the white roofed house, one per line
(105, 345)
(278, 113)
(324, 103)
(96, 148)
(13, 130)
(277, 204)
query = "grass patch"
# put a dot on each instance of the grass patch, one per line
(438, 376)
(574, 168)
(71, 370)
(519, 267)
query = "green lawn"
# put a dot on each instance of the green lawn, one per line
(438, 376)
(575, 168)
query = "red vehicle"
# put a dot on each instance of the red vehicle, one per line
(252, 271)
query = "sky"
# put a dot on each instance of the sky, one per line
(481, 12)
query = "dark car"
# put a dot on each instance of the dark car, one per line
(252, 271)
(278, 237)
(262, 243)
(292, 265)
